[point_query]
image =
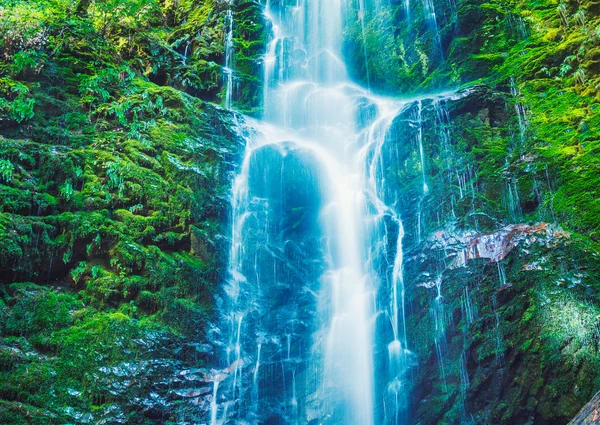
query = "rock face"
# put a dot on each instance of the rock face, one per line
(278, 260)
(497, 310)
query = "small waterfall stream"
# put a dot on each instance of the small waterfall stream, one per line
(229, 56)
(312, 326)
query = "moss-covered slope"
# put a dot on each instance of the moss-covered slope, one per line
(546, 52)
(114, 184)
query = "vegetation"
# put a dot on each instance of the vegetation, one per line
(547, 52)
(114, 179)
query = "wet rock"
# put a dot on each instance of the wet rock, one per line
(188, 393)
(460, 246)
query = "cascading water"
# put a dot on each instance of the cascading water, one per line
(313, 316)
(432, 19)
(361, 17)
(228, 69)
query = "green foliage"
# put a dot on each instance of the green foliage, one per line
(38, 312)
(110, 169)
(15, 101)
(6, 170)
(491, 41)
(549, 50)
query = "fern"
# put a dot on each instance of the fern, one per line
(6, 170)
(22, 109)
(66, 190)
(79, 271)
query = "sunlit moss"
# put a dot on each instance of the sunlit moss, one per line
(572, 326)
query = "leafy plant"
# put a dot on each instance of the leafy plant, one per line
(6, 170)
(79, 271)
(66, 190)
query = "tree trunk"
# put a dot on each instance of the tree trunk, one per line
(590, 414)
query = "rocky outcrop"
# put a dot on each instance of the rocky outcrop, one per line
(500, 299)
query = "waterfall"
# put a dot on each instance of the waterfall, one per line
(312, 322)
(361, 17)
(421, 151)
(228, 69)
(520, 111)
(429, 8)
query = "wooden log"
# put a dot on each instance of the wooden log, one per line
(589, 414)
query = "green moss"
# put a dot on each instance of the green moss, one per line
(113, 179)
